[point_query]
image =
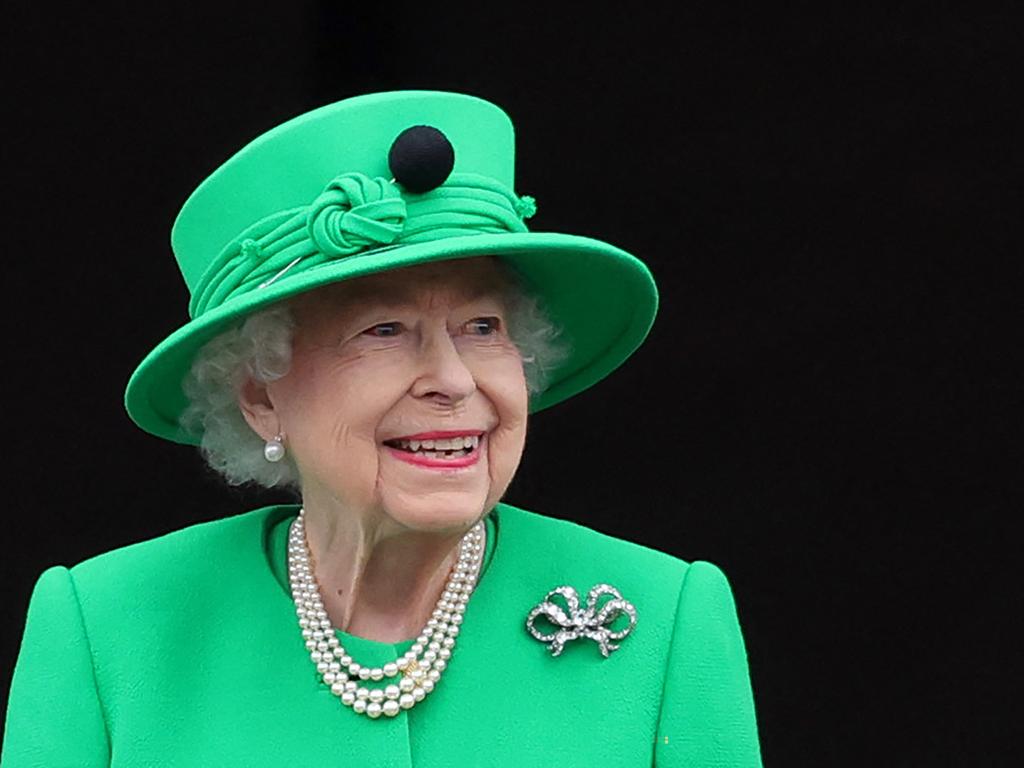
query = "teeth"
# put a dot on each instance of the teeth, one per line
(432, 448)
(442, 454)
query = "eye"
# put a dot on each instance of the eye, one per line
(483, 326)
(384, 330)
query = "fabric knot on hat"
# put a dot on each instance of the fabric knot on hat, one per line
(250, 249)
(355, 212)
(526, 207)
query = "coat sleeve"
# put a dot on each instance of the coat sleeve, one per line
(54, 714)
(707, 710)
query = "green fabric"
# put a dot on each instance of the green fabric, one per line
(353, 215)
(311, 202)
(184, 651)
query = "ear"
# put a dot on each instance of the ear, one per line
(258, 409)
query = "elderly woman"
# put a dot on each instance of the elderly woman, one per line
(371, 325)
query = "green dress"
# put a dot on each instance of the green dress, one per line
(185, 651)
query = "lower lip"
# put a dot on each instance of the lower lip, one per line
(422, 461)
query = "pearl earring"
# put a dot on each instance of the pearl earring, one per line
(274, 449)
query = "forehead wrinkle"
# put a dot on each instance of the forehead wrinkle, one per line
(405, 292)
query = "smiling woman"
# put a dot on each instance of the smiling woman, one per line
(372, 329)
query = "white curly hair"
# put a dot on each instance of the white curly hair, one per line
(260, 348)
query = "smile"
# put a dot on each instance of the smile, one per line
(441, 450)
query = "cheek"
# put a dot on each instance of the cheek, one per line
(512, 401)
(498, 372)
(505, 387)
(335, 407)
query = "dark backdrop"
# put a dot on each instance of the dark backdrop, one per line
(831, 206)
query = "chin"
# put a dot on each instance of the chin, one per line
(438, 511)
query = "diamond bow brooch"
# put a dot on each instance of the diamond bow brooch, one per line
(591, 621)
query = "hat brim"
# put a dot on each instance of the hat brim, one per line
(603, 299)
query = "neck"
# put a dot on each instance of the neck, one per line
(378, 579)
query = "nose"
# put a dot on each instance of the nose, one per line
(444, 376)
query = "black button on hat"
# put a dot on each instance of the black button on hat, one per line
(421, 158)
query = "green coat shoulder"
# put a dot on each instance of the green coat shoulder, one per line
(562, 547)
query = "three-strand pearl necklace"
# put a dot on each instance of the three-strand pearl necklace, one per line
(419, 668)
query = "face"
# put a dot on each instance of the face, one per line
(406, 397)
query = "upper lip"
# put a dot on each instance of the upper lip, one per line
(440, 434)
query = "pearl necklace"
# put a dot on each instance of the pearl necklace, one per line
(436, 642)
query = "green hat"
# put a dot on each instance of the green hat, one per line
(374, 183)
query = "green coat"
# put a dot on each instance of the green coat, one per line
(185, 650)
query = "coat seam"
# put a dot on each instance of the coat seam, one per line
(92, 662)
(671, 650)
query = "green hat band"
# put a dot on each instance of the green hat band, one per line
(355, 215)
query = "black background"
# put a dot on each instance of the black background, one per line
(829, 201)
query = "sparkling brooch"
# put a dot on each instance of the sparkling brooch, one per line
(578, 622)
